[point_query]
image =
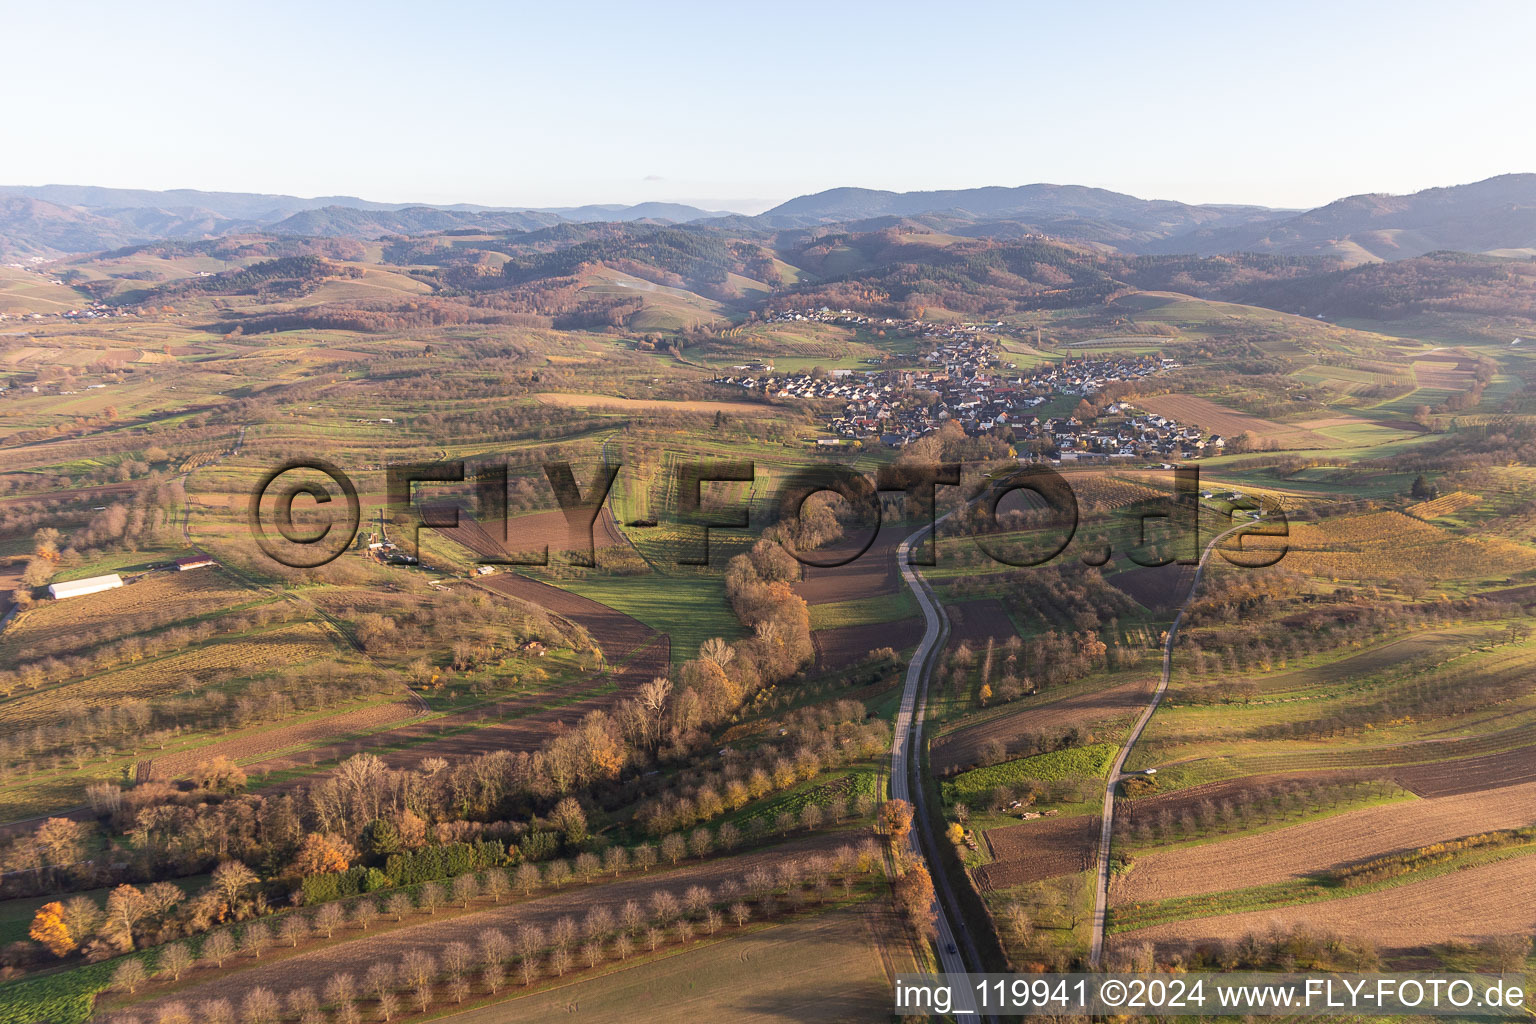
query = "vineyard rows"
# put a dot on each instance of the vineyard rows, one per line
(1384, 545)
(1445, 505)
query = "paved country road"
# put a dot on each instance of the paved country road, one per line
(1117, 770)
(906, 786)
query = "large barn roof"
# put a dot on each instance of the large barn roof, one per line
(91, 585)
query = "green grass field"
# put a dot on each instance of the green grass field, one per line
(1091, 761)
(690, 609)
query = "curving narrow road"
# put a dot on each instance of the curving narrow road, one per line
(905, 785)
(1117, 769)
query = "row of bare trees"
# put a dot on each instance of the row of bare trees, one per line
(458, 970)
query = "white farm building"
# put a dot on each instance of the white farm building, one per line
(79, 588)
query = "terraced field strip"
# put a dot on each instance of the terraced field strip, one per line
(263, 746)
(1382, 545)
(1426, 644)
(55, 626)
(602, 402)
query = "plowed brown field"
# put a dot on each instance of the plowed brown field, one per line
(618, 634)
(1447, 778)
(528, 535)
(1314, 846)
(1477, 903)
(1159, 588)
(1035, 850)
(869, 575)
(976, 622)
(844, 645)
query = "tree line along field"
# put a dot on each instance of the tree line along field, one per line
(543, 935)
(787, 970)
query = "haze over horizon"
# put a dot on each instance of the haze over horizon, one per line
(748, 207)
(392, 105)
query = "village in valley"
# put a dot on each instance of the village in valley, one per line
(963, 380)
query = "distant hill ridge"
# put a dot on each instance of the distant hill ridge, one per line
(1495, 215)
(56, 220)
(1051, 202)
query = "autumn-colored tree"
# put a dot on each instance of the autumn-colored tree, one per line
(220, 775)
(48, 927)
(319, 854)
(1016, 923)
(914, 891)
(218, 947)
(896, 816)
(176, 960)
(329, 917)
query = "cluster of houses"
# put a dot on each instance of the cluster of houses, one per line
(1123, 432)
(97, 312)
(963, 382)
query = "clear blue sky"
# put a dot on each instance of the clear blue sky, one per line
(1287, 104)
